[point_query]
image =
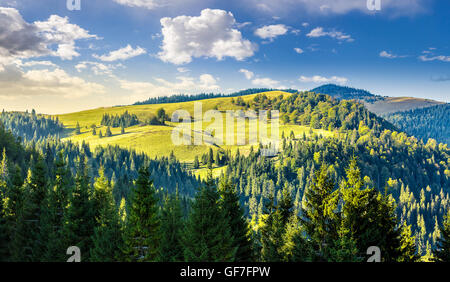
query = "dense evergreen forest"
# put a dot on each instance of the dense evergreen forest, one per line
(430, 122)
(30, 126)
(320, 199)
(346, 93)
(202, 96)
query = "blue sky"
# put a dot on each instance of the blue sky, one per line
(120, 51)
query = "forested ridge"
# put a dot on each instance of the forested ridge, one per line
(319, 199)
(430, 122)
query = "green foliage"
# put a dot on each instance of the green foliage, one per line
(442, 252)
(107, 238)
(207, 235)
(172, 225)
(143, 223)
(123, 120)
(79, 218)
(424, 123)
(230, 205)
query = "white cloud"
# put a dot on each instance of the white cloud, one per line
(162, 87)
(271, 31)
(393, 7)
(98, 68)
(266, 82)
(121, 54)
(19, 39)
(321, 79)
(15, 82)
(298, 50)
(389, 55)
(212, 34)
(148, 4)
(38, 63)
(425, 58)
(248, 74)
(319, 32)
(182, 70)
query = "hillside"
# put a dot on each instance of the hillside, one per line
(376, 103)
(430, 122)
(155, 140)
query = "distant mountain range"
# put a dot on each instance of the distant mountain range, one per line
(376, 103)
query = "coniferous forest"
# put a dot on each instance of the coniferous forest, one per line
(321, 199)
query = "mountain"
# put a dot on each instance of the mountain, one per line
(430, 122)
(376, 103)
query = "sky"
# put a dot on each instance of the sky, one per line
(57, 56)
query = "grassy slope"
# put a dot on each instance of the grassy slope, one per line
(156, 140)
(399, 104)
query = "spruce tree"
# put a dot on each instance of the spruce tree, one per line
(143, 223)
(318, 224)
(408, 250)
(79, 217)
(207, 235)
(229, 203)
(171, 248)
(107, 238)
(442, 251)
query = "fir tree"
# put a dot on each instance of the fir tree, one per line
(229, 202)
(318, 225)
(171, 248)
(79, 218)
(143, 223)
(408, 250)
(442, 251)
(207, 235)
(107, 238)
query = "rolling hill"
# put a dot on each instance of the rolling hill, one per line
(155, 140)
(376, 103)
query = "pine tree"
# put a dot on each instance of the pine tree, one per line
(107, 238)
(196, 163)
(229, 203)
(318, 225)
(442, 251)
(295, 246)
(79, 217)
(143, 223)
(207, 235)
(108, 132)
(273, 230)
(408, 250)
(53, 215)
(77, 129)
(4, 188)
(171, 248)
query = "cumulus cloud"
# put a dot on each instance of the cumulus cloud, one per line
(298, 50)
(19, 39)
(213, 34)
(321, 79)
(248, 74)
(121, 54)
(319, 32)
(161, 87)
(271, 31)
(16, 82)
